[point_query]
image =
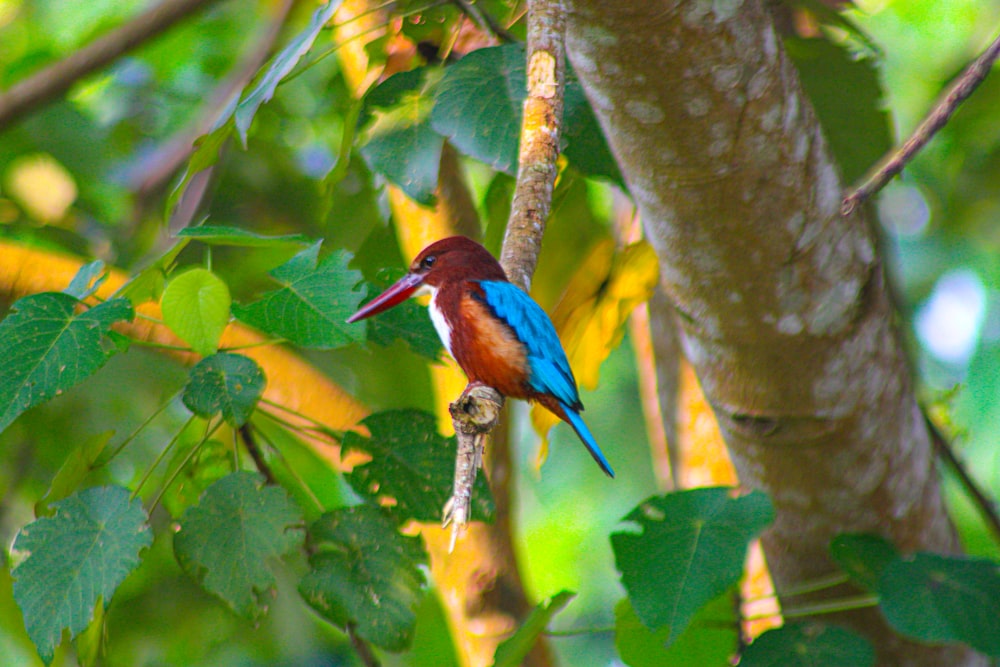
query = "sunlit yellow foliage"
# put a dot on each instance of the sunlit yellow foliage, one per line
(591, 315)
(41, 186)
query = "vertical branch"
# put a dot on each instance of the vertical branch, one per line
(536, 168)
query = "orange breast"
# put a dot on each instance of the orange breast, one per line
(489, 351)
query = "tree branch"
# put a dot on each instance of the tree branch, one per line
(153, 173)
(537, 169)
(56, 79)
(893, 162)
(484, 20)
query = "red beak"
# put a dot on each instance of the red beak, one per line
(395, 295)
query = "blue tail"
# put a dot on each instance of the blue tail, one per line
(576, 421)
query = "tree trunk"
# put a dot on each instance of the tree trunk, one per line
(783, 302)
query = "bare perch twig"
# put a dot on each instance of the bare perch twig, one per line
(475, 414)
(893, 162)
(523, 239)
(54, 80)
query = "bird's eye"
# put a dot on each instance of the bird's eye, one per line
(427, 262)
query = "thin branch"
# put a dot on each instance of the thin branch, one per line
(986, 506)
(362, 648)
(893, 162)
(155, 171)
(537, 169)
(56, 79)
(474, 414)
(484, 20)
(246, 433)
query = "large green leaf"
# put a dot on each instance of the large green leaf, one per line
(312, 308)
(936, 598)
(227, 541)
(691, 548)
(79, 555)
(412, 464)
(710, 640)
(408, 322)
(864, 557)
(280, 67)
(366, 574)
(809, 645)
(397, 139)
(230, 384)
(856, 125)
(478, 107)
(196, 307)
(512, 651)
(50, 347)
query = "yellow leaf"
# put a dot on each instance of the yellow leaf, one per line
(591, 315)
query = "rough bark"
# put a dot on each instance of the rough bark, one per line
(783, 302)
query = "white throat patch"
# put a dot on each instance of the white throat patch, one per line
(437, 317)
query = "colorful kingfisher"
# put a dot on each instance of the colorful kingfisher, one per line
(497, 333)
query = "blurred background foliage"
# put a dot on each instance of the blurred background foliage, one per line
(81, 176)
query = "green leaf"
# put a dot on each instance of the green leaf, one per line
(512, 651)
(863, 557)
(235, 236)
(709, 641)
(809, 645)
(280, 66)
(936, 598)
(227, 541)
(87, 280)
(147, 285)
(691, 549)
(365, 573)
(398, 141)
(412, 464)
(80, 554)
(312, 308)
(227, 383)
(856, 126)
(478, 105)
(72, 472)
(196, 308)
(408, 322)
(206, 153)
(51, 348)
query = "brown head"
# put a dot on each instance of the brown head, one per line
(450, 259)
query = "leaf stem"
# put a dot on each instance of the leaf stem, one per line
(830, 607)
(578, 632)
(209, 432)
(306, 489)
(132, 436)
(162, 455)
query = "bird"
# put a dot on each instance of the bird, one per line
(498, 334)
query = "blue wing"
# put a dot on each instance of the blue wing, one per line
(549, 371)
(548, 368)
